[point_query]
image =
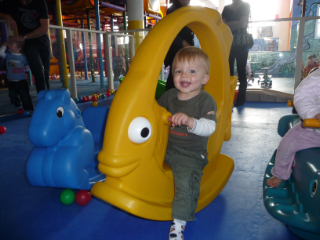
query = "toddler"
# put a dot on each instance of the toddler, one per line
(307, 103)
(193, 121)
(18, 84)
(311, 63)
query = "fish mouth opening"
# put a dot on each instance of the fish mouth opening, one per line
(117, 166)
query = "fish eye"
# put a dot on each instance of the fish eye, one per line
(60, 112)
(314, 187)
(139, 130)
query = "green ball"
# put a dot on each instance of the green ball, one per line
(67, 196)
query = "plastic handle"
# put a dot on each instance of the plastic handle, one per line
(290, 103)
(312, 123)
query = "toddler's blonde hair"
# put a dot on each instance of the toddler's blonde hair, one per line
(191, 53)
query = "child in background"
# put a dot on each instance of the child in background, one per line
(307, 103)
(311, 63)
(18, 84)
(193, 121)
(248, 71)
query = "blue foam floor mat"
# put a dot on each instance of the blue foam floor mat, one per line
(237, 213)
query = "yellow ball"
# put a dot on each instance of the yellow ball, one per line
(95, 104)
(112, 91)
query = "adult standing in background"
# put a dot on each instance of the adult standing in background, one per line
(236, 16)
(184, 39)
(31, 19)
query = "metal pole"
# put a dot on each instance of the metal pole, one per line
(126, 47)
(60, 65)
(90, 46)
(96, 8)
(84, 52)
(71, 65)
(107, 49)
(63, 48)
(297, 76)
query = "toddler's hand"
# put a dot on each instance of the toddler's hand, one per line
(179, 119)
(317, 117)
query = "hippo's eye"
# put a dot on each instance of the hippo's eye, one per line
(60, 112)
(314, 187)
(139, 130)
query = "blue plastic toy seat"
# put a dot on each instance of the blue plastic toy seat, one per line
(65, 151)
(95, 119)
(296, 202)
(286, 122)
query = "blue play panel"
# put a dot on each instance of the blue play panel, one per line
(31, 213)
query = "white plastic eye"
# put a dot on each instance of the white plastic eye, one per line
(139, 130)
(314, 187)
(60, 112)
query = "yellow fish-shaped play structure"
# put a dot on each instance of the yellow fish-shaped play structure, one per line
(135, 141)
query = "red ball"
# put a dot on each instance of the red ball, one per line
(88, 99)
(108, 91)
(20, 111)
(2, 129)
(83, 197)
(108, 94)
(94, 98)
(84, 99)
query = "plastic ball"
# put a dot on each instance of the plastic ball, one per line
(94, 98)
(108, 94)
(76, 100)
(103, 96)
(88, 99)
(67, 196)
(108, 91)
(83, 197)
(112, 91)
(84, 99)
(98, 96)
(25, 113)
(94, 104)
(2, 129)
(20, 111)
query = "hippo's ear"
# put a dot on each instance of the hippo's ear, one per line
(41, 94)
(50, 94)
(66, 97)
(78, 113)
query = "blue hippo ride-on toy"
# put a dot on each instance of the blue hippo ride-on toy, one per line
(65, 151)
(296, 202)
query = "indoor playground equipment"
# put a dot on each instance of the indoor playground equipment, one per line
(138, 181)
(66, 144)
(265, 79)
(296, 202)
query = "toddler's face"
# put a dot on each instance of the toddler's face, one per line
(13, 48)
(189, 76)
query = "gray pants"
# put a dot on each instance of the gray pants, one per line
(187, 169)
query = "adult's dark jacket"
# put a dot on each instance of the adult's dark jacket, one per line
(184, 34)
